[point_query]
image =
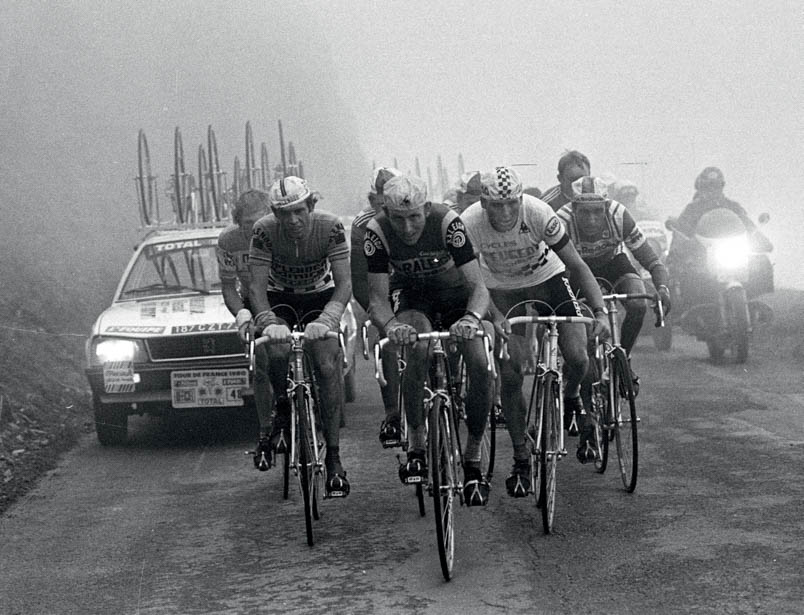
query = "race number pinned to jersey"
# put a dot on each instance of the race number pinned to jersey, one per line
(553, 227)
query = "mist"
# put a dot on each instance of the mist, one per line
(649, 92)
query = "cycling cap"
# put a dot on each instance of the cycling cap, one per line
(380, 176)
(471, 183)
(589, 190)
(249, 202)
(405, 192)
(288, 191)
(500, 185)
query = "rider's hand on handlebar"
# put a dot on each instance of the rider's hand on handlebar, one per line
(315, 330)
(466, 327)
(401, 334)
(277, 333)
(664, 295)
(244, 326)
(502, 328)
(600, 328)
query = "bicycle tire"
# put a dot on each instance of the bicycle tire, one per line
(265, 169)
(215, 175)
(179, 177)
(600, 417)
(203, 183)
(441, 484)
(237, 179)
(250, 165)
(145, 182)
(625, 420)
(305, 468)
(549, 450)
(532, 428)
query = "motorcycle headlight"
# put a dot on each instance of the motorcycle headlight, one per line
(107, 350)
(731, 253)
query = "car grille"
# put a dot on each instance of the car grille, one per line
(182, 347)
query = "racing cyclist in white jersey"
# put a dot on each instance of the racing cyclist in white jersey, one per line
(525, 255)
(232, 253)
(302, 257)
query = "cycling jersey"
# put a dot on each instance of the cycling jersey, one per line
(232, 252)
(555, 197)
(303, 265)
(432, 263)
(521, 256)
(357, 259)
(619, 231)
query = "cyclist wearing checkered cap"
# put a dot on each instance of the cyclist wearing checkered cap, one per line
(301, 256)
(601, 229)
(526, 255)
(436, 277)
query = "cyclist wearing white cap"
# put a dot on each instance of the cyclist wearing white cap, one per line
(302, 257)
(389, 430)
(436, 277)
(232, 252)
(525, 255)
(601, 230)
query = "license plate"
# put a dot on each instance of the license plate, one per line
(200, 388)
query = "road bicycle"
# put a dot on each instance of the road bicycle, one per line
(613, 409)
(443, 407)
(307, 450)
(544, 432)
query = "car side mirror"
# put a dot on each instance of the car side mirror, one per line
(764, 217)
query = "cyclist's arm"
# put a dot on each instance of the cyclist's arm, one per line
(232, 298)
(380, 310)
(648, 258)
(579, 272)
(479, 300)
(260, 277)
(359, 267)
(343, 282)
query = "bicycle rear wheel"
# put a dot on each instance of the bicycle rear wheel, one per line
(599, 414)
(442, 484)
(306, 461)
(550, 452)
(625, 421)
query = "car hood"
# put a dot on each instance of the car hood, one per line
(165, 316)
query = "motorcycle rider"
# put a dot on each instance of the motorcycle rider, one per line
(572, 165)
(686, 257)
(301, 256)
(232, 254)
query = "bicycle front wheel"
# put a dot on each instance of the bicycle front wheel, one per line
(305, 467)
(442, 484)
(625, 421)
(550, 450)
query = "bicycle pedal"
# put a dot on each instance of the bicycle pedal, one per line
(413, 480)
(391, 443)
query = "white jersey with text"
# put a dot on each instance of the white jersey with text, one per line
(523, 256)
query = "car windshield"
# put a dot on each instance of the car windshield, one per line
(174, 267)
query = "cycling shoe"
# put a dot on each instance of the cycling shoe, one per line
(337, 486)
(475, 487)
(518, 483)
(414, 470)
(573, 409)
(391, 432)
(262, 455)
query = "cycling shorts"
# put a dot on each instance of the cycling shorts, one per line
(442, 307)
(614, 270)
(296, 309)
(554, 296)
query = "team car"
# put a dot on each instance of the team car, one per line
(168, 343)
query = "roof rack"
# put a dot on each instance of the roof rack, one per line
(206, 199)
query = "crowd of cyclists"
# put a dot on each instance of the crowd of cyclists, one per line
(464, 263)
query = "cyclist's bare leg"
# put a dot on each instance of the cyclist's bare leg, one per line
(263, 392)
(479, 395)
(327, 359)
(390, 392)
(572, 342)
(634, 310)
(413, 380)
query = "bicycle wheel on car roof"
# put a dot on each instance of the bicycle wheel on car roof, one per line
(204, 197)
(442, 481)
(217, 179)
(265, 168)
(625, 420)
(146, 183)
(251, 166)
(181, 180)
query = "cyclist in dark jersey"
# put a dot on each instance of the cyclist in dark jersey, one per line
(301, 255)
(232, 253)
(436, 276)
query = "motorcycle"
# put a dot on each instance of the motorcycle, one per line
(719, 261)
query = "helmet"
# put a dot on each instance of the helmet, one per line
(404, 192)
(501, 184)
(288, 191)
(711, 178)
(589, 190)
(249, 202)
(380, 176)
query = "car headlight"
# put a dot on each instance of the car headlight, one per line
(107, 350)
(731, 253)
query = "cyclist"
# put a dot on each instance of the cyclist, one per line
(601, 230)
(572, 165)
(435, 273)
(524, 255)
(301, 256)
(465, 192)
(232, 252)
(390, 428)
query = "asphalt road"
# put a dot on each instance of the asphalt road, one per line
(178, 521)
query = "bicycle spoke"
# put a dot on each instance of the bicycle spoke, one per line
(442, 486)
(625, 432)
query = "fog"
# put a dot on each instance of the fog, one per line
(673, 87)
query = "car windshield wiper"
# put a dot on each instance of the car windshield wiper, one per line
(166, 288)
